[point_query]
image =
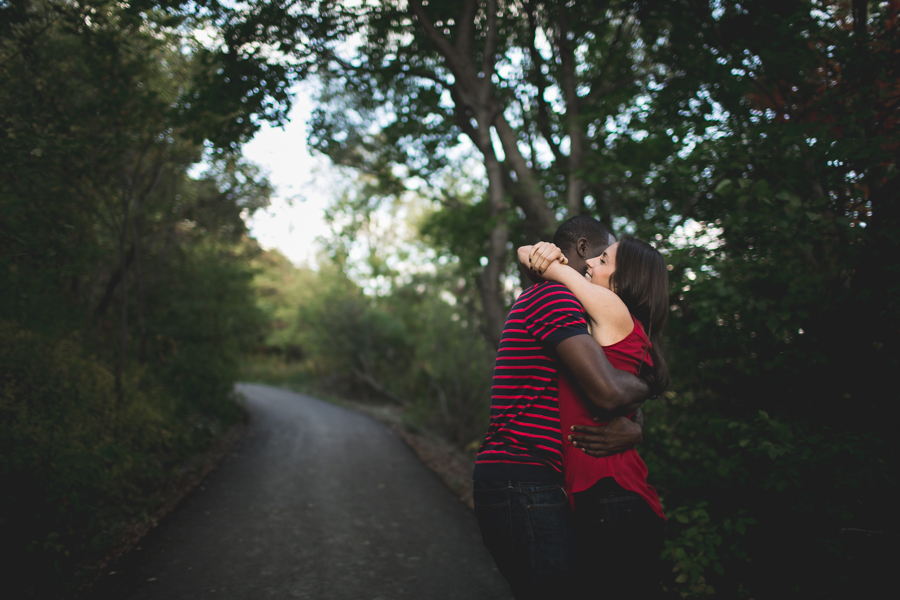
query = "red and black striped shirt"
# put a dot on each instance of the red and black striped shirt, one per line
(524, 441)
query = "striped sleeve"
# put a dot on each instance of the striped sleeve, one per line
(554, 316)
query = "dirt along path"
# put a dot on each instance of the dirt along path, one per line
(315, 501)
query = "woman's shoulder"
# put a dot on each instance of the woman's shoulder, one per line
(636, 333)
(614, 321)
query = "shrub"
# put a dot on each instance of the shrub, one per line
(75, 466)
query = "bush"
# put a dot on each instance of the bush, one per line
(75, 466)
(412, 346)
(758, 504)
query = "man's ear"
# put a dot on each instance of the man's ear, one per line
(581, 247)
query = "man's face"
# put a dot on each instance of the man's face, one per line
(594, 252)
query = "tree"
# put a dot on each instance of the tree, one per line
(786, 147)
(530, 84)
(755, 144)
(126, 293)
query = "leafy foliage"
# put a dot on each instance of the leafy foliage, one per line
(410, 346)
(126, 294)
(755, 144)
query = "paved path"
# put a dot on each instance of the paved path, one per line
(315, 502)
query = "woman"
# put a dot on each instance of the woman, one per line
(618, 518)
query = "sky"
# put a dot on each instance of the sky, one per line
(295, 218)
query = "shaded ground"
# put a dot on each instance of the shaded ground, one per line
(316, 501)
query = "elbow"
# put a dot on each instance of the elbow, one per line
(607, 400)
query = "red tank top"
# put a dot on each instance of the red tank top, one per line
(627, 468)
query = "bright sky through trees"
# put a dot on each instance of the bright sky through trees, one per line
(295, 218)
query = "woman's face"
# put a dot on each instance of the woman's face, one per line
(601, 267)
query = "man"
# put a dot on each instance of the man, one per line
(520, 504)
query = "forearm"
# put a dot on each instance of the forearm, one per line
(613, 391)
(631, 411)
(632, 392)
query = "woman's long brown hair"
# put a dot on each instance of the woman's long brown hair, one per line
(641, 280)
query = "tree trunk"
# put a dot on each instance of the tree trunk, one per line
(123, 320)
(474, 96)
(139, 271)
(489, 282)
(860, 19)
(575, 164)
(113, 285)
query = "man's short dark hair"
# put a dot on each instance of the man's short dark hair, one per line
(568, 234)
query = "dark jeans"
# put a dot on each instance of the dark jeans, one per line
(619, 540)
(527, 527)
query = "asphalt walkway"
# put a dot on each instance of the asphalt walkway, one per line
(316, 501)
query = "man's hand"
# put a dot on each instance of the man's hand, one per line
(619, 435)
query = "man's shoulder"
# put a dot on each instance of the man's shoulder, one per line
(544, 292)
(544, 288)
(549, 312)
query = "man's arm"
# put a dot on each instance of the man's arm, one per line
(605, 387)
(617, 436)
(609, 389)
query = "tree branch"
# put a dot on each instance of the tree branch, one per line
(598, 92)
(373, 383)
(533, 202)
(466, 27)
(543, 118)
(490, 48)
(575, 186)
(462, 70)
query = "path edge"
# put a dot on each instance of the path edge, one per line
(444, 458)
(193, 472)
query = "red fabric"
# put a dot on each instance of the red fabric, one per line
(627, 468)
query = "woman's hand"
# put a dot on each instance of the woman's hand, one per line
(542, 255)
(524, 253)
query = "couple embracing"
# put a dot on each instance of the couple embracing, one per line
(561, 495)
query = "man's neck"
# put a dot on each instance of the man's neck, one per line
(575, 261)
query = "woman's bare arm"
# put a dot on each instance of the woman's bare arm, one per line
(610, 318)
(614, 391)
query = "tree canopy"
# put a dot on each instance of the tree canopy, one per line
(124, 269)
(754, 143)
